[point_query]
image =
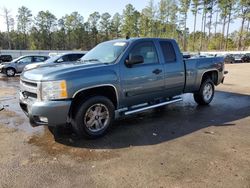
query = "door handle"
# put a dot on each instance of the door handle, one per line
(157, 71)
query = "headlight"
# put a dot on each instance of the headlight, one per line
(54, 90)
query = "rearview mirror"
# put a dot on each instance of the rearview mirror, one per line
(134, 60)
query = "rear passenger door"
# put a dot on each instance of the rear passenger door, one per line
(142, 82)
(173, 67)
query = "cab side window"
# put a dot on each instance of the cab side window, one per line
(168, 51)
(147, 51)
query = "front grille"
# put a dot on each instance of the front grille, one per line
(31, 84)
(29, 89)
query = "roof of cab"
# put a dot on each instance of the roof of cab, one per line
(139, 38)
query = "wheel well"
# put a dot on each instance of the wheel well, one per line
(107, 91)
(213, 75)
(11, 68)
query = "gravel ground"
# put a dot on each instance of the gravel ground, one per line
(183, 145)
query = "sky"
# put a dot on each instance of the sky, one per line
(85, 7)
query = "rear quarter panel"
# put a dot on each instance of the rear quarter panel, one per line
(197, 67)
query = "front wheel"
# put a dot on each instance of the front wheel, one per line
(93, 117)
(206, 93)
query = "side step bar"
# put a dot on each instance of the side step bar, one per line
(153, 106)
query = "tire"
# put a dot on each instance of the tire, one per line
(10, 72)
(52, 130)
(88, 122)
(59, 131)
(205, 94)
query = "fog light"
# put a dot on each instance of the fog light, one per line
(43, 119)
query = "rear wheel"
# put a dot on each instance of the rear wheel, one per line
(93, 117)
(10, 72)
(206, 93)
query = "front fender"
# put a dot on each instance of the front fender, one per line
(93, 79)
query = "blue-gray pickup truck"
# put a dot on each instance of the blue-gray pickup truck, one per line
(116, 78)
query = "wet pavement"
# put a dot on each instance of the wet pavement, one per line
(13, 116)
(181, 145)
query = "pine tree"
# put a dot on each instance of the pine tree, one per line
(195, 11)
(184, 7)
(24, 20)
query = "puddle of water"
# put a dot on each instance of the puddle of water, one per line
(12, 115)
(9, 81)
(48, 144)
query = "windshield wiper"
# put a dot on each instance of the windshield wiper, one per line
(90, 60)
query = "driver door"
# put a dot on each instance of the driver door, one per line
(143, 82)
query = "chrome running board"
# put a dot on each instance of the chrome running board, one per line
(174, 100)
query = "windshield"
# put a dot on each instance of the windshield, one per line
(106, 52)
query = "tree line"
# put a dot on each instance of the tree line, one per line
(165, 19)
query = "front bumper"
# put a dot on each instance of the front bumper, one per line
(56, 112)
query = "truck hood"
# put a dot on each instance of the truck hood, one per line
(43, 64)
(54, 71)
